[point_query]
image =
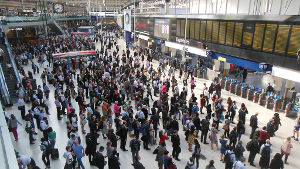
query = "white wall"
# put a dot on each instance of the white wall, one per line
(245, 7)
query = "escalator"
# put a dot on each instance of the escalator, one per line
(9, 74)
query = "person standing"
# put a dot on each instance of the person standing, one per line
(196, 152)
(240, 164)
(123, 135)
(138, 164)
(176, 145)
(29, 129)
(146, 134)
(113, 162)
(159, 154)
(204, 129)
(253, 147)
(213, 136)
(296, 129)
(100, 159)
(13, 124)
(253, 124)
(135, 148)
(211, 165)
(46, 149)
(277, 162)
(286, 149)
(68, 155)
(79, 153)
(190, 164)
(265, 151)
(21, 106)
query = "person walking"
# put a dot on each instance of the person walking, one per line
(79, 153)
(176, 145)
(253, 124)
(296, 129)
(68, 155)
(286, 149)
(13, 125)
(46, 149)
(123, 135)
(253, 147)
(135, 145)
(265, 151)
(29, 129)
(229, 158)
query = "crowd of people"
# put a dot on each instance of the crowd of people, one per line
(122, 95)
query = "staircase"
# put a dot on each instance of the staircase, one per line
(9, 74)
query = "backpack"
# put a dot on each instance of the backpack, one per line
(47, 147)
(88, 139)
(227, 158)
(237, 151)
(249, 145)
(135, 145)
(197, 151)
(266, 151)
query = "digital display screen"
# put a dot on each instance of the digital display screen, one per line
(294, 40)
(178, 28)
(208, 31)
(197, 30)
(248, 34)
(162, 28)
(182, 29)
(229, 33)
(269, 37)
(215, 31)
(222, 32)
(282, 38)
(192, 29)
(238, 31)
(258, 36)
(203, 30)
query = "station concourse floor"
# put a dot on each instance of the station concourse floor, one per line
(147, 158)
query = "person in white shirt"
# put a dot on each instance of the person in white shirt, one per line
(25, 162)
(68, 155)
(239, 164)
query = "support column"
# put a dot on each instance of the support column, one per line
(167, 8)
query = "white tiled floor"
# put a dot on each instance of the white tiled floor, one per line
(148, 159)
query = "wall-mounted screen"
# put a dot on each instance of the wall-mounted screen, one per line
(162, 28)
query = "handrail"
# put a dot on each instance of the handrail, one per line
(13, 63)
(4, 88)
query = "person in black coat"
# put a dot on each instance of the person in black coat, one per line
(113, 138)
(276, 162)
(113, 162)
(99, 159)
(197, 122)
(123, 135)
(253, 147)
(204, 129)
(155, 121)
(176, 145)
(91, 144)
(174, 124)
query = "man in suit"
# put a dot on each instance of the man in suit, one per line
(100, 159)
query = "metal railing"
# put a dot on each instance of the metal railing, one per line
(4, 89)
(13, 63)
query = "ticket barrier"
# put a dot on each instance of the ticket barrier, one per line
(227, 84)
(277, 103)
(269, 100)
(291, 109)
(238, 87)
(262, 98)
(244, 88)
(222, 82)
(250, 92)
(256, 95)
(232, 86)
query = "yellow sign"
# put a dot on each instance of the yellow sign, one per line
(221, 59)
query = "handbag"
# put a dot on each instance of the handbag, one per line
(156, 150)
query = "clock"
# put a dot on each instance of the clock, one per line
(58, 8)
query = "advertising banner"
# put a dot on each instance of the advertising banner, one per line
(162, 28)
(127, 20)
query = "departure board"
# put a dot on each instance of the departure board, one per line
(269, 37)
(202, 30)
(294, 45)
(178, 28)
(238, 31)
(188, 29)
(248, 34)
(182, 28)
(258, 36)
(229, 33)
(208, 31)
(282, 38)
(215, 32)
(197, 30)
(222, 32)
(192, 29)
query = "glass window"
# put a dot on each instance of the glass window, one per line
(208, 31)
(197, 29)
(182, 27)
(229, 33)
(282, 38)
(258, 36)
(238, 31)
(202, 30)
(269, 37)
(178, 28)
(222, 32)
(294, 45)
(192, 29)
(215, 32)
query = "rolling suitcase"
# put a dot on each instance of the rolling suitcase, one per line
(54, 154)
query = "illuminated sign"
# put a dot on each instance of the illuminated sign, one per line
(221, 59)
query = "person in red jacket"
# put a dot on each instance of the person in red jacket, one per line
(162, 137)
(263, 136)
(202, 103)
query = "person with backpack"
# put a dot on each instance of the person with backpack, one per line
(239, 164)
(211, 165)
(135, 148)
(253, 147)
(276, 162)
(171, 164)
(190, 164)
(46, 149)
(138, 164)
(239, 150)
(229, 158)
(99, 159)
(233, 136)
(265, 151)
(204, 129)
(196, 152)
